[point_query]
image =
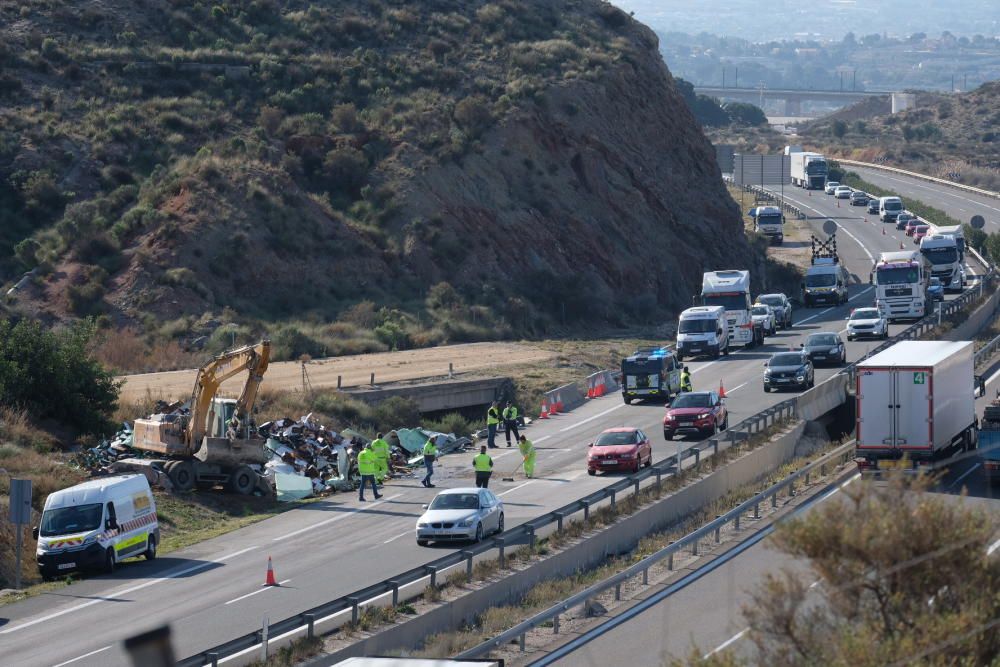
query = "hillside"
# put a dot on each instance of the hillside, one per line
(953, 136)
(348, 175)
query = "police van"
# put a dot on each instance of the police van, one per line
(96, 525)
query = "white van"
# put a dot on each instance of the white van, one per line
(889, 208)
(702, 330)
(96, 525)
(825, 282)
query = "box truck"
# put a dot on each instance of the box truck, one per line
(915, 405)
(808, 170)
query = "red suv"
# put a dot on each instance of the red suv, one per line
(620, 449)
(698, 412)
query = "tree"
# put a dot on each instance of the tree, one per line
(901, 577)
(839, 128)
(742, 113)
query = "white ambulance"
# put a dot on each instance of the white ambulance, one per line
(96, 525)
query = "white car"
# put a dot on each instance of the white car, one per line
(466, 514)
(867, 322)
(831, 186)
(843, 192)
(763, 314)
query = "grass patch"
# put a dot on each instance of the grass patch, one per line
(922, 210)
(293, 654)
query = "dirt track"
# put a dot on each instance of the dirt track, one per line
(355, 370)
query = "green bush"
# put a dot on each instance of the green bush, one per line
(52, 376)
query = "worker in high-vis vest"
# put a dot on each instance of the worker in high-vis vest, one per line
(482, 463)
(367, 468)
(528, 452)
(686, 380)
(381, 449)
(430, 453)
(492, 422)
(510, 422)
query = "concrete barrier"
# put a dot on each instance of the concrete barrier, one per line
(822, 398)
(977, 320)
(436, 396)
(568, 394)
(590, 552)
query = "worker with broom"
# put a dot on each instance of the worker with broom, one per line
(528, 452)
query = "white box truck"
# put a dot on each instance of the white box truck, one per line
(731, 290)
(808, 170)
(915, 405)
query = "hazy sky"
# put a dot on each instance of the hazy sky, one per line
(765, 20)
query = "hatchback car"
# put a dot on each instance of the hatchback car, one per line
(911, 226)
(903, 219)
(867, 323)
(873, 205)
(763, 316)
(781, 306)
(460, 514)
(825, 347)
(859, 198)
(936, 290)
(696, 412)
(919, 232)
(843, 192)
(623, 449)
(831, 186)
(788, 369)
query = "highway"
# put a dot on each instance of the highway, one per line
(706, 615)
(211, 592)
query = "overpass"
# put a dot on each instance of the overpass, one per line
(793, 97)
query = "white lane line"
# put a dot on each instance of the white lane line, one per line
(515, 488)
(403, 534)
(259, 590)
(964, 475)
(725, 644)
(992, 378)
(737, 388)
(543, 438)
(118, 594)
(85, 655)
(701, 368)
(813, 317)
(993, 547)
(860, 244)
(862, 292)
(502, 454)
(590, 419)
(336, 518)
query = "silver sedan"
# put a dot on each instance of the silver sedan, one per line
(460, 514)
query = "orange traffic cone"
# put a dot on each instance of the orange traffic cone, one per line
(554, 406)
(722, 390)
(602, 389)
(270, 581)
(545, 411)
(591, 392)
(559, 403)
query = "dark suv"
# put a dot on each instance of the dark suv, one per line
(697, 412)
(788, 369)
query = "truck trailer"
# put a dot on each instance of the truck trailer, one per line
(915, 406)
(808, 170)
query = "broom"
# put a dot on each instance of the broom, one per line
(511, 478)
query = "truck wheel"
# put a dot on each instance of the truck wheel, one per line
(150, 552)
(243, 480)
(680, 357)
(181, 474)
(628, 401)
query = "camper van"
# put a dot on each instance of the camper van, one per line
(96, 525)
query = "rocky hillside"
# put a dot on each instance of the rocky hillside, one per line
(349, 174)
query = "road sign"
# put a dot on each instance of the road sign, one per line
(829, 227)
(977, 222)
(20, 501)
(762, 170)
(919, 377)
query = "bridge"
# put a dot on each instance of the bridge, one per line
(793, 97)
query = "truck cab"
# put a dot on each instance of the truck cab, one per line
(901, 280)
(702, 330)
(731, 290)
(769, 221)
(945, 260)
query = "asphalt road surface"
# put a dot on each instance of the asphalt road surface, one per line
(211, 592)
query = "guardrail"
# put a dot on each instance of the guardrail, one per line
(691, 541)
(923, 177)
(522, 534)
(986, 352)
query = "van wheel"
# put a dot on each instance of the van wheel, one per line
(680, 357)
(109, 560)
(181, 474)
(150, 548)
(243, 480)
(725, 352)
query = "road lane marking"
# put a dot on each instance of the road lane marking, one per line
(725, 644)
(964, 475)
(117, 594)
(813, 317)
(993, 547)
(85, 655)
(737, 387)
(259, 590)
(862, 292)
(356, 510)
(515, 488)
(403, 534)
(701, 368)
(590, 419)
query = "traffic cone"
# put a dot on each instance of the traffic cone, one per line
(722, 390)
(554, 406)
(559, 403)
(545, 411)
(270, 580)
(601, 389)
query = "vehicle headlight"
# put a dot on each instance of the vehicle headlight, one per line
(90, 540)
(420, 524)
(669, 418)
(628, 456)
(767, 371)
(705, 415)
(468, 521)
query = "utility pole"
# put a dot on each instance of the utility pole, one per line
(854, 81)
(723, 76)
(737, 77)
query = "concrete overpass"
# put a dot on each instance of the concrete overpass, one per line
(793, 97)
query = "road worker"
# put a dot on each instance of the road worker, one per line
(381, 449)
(492, 422)
(686, 380)
(367, 468)
(510, 422)
(482, 463)
(430, 453)
(528, 452)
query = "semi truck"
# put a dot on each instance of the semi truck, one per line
(915, 406)
(989, 440)
(769, 221)
(901, 280)
(731, 290)
(212, 440)
(946, 262)
(808, 170)
(954, 231)
(650, 373)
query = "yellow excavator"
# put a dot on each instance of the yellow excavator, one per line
(214, 442)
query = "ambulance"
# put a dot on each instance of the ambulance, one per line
(96, 525)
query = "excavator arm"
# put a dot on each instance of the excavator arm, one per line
(251, 358)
